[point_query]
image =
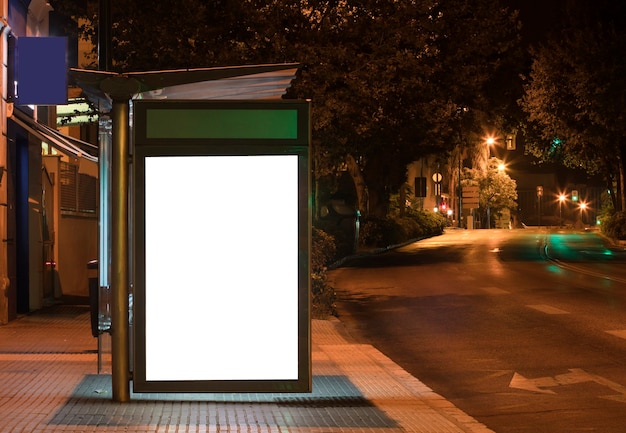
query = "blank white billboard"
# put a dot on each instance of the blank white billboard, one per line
(221, 267)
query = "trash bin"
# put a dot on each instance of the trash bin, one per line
(92, 266)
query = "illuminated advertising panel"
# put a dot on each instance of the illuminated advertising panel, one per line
(222, 229)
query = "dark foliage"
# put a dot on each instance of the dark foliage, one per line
(395, 230)
(614, 225)
(323, 296)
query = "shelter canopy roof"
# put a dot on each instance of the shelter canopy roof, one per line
(269, 81)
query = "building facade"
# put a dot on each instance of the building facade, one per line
(48, 187)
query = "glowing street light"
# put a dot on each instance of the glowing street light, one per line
(583, 207)
(561, 200)
(489, 141)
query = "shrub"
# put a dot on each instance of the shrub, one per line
(373, 232)
(394, 230)
(431, 223)
(341, 233)
(323, 252)
(614, 225)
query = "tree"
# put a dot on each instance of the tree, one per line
(575, 96)
(497, 191)
(386, 78)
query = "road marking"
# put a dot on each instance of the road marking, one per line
(575, 375)
(621, 333)
(584, 271)
(520, 382)
(547, 309)
(494, 291)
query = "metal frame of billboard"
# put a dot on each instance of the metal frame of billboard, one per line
(205, 131)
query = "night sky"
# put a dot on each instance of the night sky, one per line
(539, 17)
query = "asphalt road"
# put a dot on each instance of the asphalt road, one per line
(525, 330)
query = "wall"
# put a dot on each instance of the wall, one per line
(418, 169)
(35, 239)
(4, 273)
(75, 237)
(78, 245)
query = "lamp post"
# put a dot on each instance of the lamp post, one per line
(582, 207)
(489, 141)
(539, 195)
(561, 200)
(460, 194)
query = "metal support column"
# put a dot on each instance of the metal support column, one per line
(120, 364)
(460, 196)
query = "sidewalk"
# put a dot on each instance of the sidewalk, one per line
(49, 382)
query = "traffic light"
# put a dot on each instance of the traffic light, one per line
(574, 195)
(555, 145)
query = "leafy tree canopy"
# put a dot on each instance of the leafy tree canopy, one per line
(575, 95)
(387, 79)
(497, 191)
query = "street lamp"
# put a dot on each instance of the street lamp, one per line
(460, 194)
(561, 200)
(489, 141)
(583, 207)
(539, 195)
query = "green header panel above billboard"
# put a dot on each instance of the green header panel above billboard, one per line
(244, 122)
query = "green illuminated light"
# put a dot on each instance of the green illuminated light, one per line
(222, 124)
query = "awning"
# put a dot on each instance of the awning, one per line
(269, 81)
(66, 144)
(268, 85)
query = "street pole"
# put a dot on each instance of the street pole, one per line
(460, 193)
(539, 195)
(119, 276)
(120, 365)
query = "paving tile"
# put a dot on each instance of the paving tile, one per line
(51, 382)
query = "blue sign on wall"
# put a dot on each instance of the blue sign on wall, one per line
(41, 72)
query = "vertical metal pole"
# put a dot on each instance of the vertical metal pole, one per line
(104, 230)
(460, 193)
(120, 370)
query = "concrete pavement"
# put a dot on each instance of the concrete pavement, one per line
(50, 382)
